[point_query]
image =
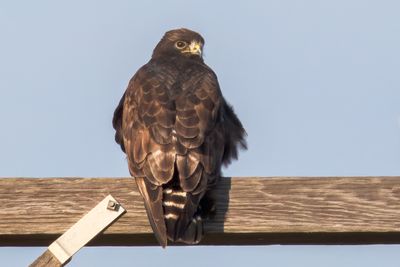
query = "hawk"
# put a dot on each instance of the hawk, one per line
(177, 130)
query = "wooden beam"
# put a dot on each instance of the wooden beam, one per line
(250, 211)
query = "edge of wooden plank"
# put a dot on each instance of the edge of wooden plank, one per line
(248, 239)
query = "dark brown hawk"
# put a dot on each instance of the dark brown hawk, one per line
(177, 131)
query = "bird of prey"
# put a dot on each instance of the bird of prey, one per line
(177, 130)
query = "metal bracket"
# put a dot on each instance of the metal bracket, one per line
(86, 228)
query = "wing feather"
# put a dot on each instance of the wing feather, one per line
(187, 164)
(153, 203)
(117, 123)
(146, 118)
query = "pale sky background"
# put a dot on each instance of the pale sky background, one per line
(315, 83)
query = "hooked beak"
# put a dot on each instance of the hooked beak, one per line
(194, 48)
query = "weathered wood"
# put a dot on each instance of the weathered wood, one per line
(47, 259)
(280, 210)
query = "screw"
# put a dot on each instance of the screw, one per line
(112, 205)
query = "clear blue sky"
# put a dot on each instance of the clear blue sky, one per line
(316, 84)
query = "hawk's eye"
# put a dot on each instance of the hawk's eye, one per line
(180, 44)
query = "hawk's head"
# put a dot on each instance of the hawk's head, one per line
(180, 42)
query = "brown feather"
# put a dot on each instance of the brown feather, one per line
(186, 164)
(186, 113)
(189, 122)
(186, 132)
(191, 182)
(163, 160)
(139, 153)
(153, 204)
(160, 134)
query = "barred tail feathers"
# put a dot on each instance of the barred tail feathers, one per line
(183, 223)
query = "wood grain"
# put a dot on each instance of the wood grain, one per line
(250, 210)
(47, 259)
